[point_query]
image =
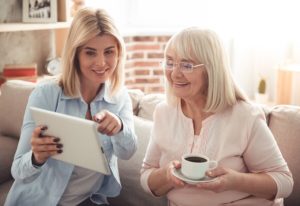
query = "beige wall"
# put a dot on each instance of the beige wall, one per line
(23, 47)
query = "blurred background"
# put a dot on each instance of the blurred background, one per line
(262, 38)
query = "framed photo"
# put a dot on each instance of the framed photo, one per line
(40, 11)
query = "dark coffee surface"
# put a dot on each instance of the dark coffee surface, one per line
(195, 159)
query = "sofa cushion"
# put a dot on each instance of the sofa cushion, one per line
(284, 123)
(8, 147)
(4, 188)
(132, 192)
(136, 95)
(148, 104)
(13, 100)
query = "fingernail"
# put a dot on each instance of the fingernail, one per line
(56, 139)
(41, 134)
(59, 146)
(59, 151)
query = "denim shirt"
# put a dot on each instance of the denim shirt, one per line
(45, 185)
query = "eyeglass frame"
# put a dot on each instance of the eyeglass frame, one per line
(175, 64)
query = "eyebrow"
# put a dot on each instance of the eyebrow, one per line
(181, 60)
(169, 57)
(93, 49)
(90, 48)
(110, 47)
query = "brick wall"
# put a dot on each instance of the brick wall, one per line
(142, 69)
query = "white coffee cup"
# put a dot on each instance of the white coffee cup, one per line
(194, 166)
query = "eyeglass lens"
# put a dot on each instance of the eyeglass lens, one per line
(183, 66)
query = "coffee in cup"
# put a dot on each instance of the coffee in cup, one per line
(195, 159)
(194, 166)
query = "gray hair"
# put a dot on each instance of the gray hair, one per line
(204, 46)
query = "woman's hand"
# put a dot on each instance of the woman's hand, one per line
(109, 123)
(226, 180)
(174, 181)
(43, 146)
(161, 180)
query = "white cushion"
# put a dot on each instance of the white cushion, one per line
(136, 95)
(13, 101)
(148, 104)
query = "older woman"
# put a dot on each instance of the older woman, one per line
(90, 87)
(206, 113)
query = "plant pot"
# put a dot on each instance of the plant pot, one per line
(261, 98)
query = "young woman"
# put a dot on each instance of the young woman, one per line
(90, 87)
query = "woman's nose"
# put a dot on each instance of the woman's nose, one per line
(176, 70)
(100, 60)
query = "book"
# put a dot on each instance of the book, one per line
(27, 72)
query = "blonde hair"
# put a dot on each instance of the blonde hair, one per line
(204, 46)
(87, 24)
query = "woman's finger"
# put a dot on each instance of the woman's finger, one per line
(99, 117)
(176, 164)
(44, 146)
(48, 147)
(109, 123)
(216, 172)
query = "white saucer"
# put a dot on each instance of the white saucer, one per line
(177, 173)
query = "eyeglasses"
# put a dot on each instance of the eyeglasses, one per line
(184, 67)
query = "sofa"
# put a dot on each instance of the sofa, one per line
(283, 120)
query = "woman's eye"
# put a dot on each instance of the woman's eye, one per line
(185, 65)
(90, 53)
(170, 63)
(108, 52)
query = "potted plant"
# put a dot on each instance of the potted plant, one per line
(261, 95)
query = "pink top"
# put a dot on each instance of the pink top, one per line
(238, 138)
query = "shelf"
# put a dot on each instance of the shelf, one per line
(13, 27)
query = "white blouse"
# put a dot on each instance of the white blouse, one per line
(238, 138)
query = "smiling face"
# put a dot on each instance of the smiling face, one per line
(98, 59)
(187, 86)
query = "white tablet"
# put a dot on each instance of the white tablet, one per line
(81, 146)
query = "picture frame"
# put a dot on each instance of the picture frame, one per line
(40, 11)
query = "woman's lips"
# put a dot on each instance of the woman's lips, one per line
(99, 72)
(179, 84)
